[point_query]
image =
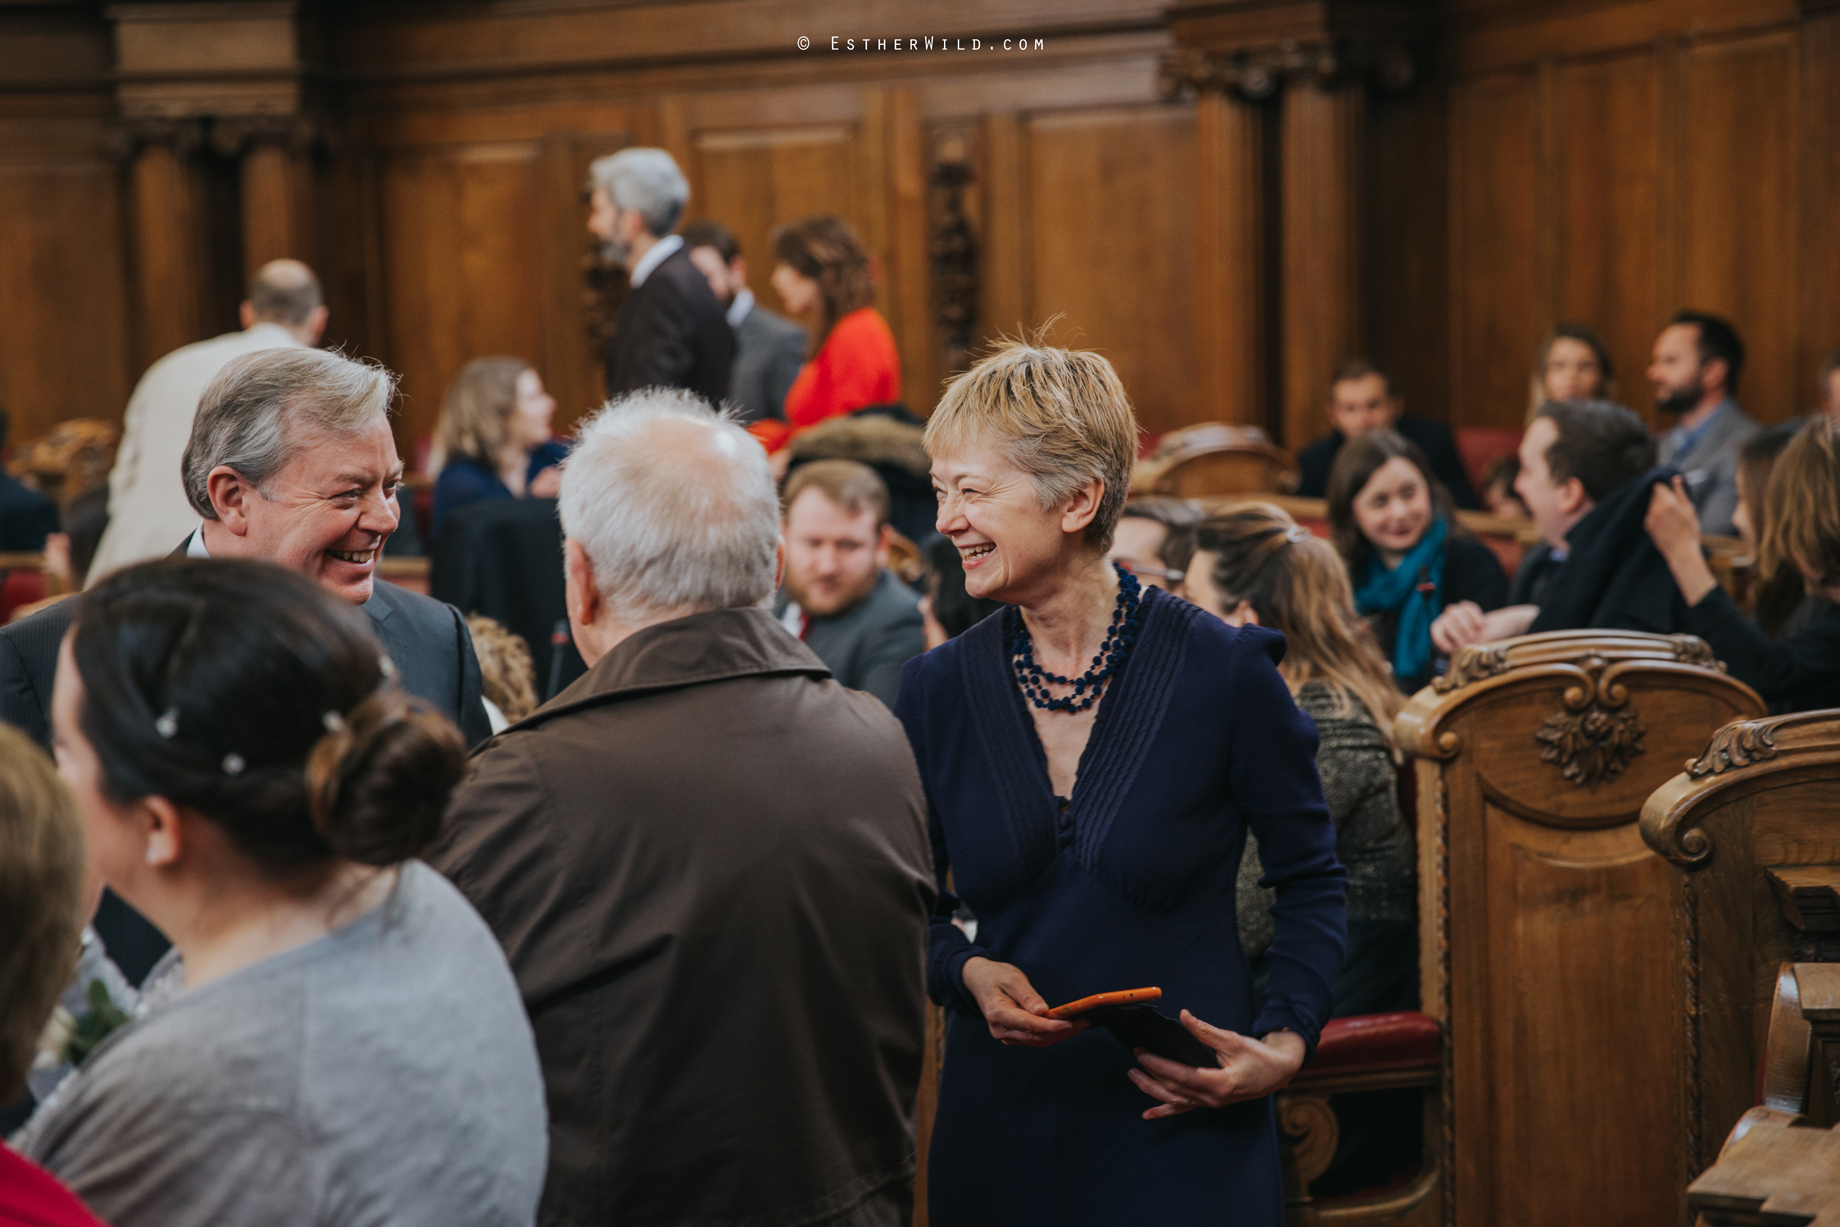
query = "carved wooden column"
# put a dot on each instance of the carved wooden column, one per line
(1287, 310)
(277, 171)
(1320, 262)
(170, 265)
(1230, 269)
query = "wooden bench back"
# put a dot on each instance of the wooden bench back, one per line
(1752, 827)
(1217, 458)
(1544, 917)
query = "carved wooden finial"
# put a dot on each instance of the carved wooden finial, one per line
(1738, 744)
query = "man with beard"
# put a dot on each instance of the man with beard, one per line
(839, 595)
(671, 332)
(1695, 371)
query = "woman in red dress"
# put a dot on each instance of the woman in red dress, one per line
(823, 273)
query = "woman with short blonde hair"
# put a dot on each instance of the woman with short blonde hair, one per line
(1094, 756)
(494, 438)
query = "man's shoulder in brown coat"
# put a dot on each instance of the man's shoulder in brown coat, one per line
(708, 864)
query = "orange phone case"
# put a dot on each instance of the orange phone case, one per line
(1121, 997)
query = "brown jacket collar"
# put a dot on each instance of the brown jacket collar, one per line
(687, 651)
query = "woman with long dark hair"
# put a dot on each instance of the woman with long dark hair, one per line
(1406, 553)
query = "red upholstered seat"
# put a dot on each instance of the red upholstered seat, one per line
(1375, 1043)
(22, 587)
(1481, 446)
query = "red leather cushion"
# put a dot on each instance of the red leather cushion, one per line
(22, 588)
(1370, 1043)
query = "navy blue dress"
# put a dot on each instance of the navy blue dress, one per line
(1132, 884)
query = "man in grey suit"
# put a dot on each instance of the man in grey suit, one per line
(838, 594)
(769, 349)
(290, 460)
(1694, 371)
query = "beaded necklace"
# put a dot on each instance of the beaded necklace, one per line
(1119, 637)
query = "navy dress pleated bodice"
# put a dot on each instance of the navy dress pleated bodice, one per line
(1130, 883)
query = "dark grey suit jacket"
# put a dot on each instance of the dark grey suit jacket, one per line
(769, 350)
(426, 640)
(865, 646)
(672, 333)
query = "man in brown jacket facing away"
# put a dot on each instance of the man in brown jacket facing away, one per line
(707, 861)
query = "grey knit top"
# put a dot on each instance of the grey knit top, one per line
(1359, 782)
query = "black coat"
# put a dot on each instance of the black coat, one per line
(1614, 577)
(1433, 438)
(27, 517)
(672, 333)
(1471, 573)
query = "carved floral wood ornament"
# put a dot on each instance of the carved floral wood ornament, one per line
(1596, 736)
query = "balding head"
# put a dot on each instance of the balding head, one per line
(286, 292)
(669, 509)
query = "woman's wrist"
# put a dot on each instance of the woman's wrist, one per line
(1691, 574)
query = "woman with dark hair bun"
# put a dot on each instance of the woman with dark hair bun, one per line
(335, 1037)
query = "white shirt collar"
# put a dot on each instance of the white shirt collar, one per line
(195, 547)
(738, 310)
(661, 250)
(278, 333)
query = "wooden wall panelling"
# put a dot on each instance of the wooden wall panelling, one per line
(1111, 224)
(277, 205)
(171, 251)
(908, 274)
(1738, 249)
(1231, 329)
(1004, 307)
(1818, 227)
(572, 363)
(65, 332)
(1608, 225)
(461, 265)
(1495, 315)
(1320, 274)
(1406, 238)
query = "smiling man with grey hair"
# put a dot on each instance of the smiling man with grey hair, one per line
(707, 862)
(290, 460)
(672, 332)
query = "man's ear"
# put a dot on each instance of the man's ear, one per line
(779, 564)
(884, 542)
(737, 272)
(1717, 372)
(1081, 506)
(246, 315)
(581, 595)
(231, 495)
(1572, 496)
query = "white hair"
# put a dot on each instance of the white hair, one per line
(674, 505)
(646, 181)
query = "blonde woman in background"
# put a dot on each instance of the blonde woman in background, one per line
(1572, 364)
(1254, 566)
(494, 438)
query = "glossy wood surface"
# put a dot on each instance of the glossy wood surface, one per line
(1541, 910)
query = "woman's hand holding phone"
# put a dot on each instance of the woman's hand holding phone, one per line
(1014, 1011)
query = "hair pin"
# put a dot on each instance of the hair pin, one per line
(1298, 535)
(167, 725)
(334, 722)
(387, 665)
(234, 764)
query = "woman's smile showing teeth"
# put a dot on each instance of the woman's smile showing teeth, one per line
(355, 557)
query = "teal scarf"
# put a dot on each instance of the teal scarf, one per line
(1415, 588)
